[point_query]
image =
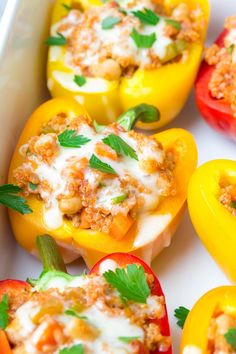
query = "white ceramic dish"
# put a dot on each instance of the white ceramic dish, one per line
(185, 269)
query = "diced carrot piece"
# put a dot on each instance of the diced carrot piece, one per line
(233, 192)
(83, 163)
(4, 344)
(120, 226)
(104, 150)
(50, 335)
(85, 224)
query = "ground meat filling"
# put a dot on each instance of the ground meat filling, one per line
(220, 324)
(50, 320)
(227, 197)
(105, 41)
(74, 189)
(223, 80)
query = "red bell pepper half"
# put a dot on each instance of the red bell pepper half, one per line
(122, 260)
(217, 112)
(14, 288)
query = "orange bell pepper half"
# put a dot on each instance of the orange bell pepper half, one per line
(93, 245)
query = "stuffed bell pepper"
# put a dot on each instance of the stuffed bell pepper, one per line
(215, 87)
(212, 207)
(210, 327)
(119, 307)
(112, 55)
(100, 189)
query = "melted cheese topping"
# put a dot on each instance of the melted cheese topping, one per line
(56, 175)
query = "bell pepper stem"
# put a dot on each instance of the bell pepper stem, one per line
(49, 254)
(144, 112)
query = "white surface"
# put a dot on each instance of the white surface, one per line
(185, 269)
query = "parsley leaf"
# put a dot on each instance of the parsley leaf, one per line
(75, 349)
(230, 337)
(97, 164)
(60, 40)
(120, 146)
(109, 22)
(80, 80)
(69, 139)
(232, 204)
(181, 314)
(67, 7)
(230, 49)
(33, 186)
(4, 312)
(143, 41)
(173, 23)
(119, 199)
(73, 313)
(130, 282)
(147, 17)
(128, 339)
(12, 201)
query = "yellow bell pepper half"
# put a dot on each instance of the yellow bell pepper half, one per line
(194, 337)
(93, 245)
(214, 224)
(167, 87)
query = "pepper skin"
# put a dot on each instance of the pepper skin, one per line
(196, 325)
(167, 87)
(122, 260)
(93, 245)
(217, 113)
(11, 287)
(214, 224)
(4, 344)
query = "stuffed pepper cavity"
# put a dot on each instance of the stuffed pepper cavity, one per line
(99, 189)
(118, 307)
(215, 85)
(123, 53)
(213, 187)
(210, 327)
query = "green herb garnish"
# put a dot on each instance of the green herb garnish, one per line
(181, 314)
(69, 138)
(119, 199)
(173, 23)
(67, 7)
(60, 40)
(123, 11)
(98, 127)
(130, 282)
(99, 165)
(4, 317)
(71, 312)
(75, 349)
(128, 339)
(80, 80)
(147, 16)
(109, 22)
(143, 41)
(12, 201)
(232, 204)
(230, 49)
(33, 186)
(230, 337)
(120, 146)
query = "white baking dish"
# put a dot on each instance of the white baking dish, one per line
(185, 269)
